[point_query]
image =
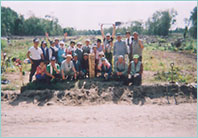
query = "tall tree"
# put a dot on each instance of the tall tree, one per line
(160, 22)
(193, 19)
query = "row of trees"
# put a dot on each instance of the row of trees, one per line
(159, 24)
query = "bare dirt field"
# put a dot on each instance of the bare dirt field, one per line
(109, 120)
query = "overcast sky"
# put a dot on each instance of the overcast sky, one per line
(88, 15)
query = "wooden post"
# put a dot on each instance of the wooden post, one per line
(92, 65)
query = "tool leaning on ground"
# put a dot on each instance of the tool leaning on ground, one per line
(172, 84)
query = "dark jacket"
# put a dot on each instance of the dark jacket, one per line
(77, 65)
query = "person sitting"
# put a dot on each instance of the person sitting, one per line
(71, 49)
(105, 69)
(41, 71)
(53, 70)
(77, 66)
(67, 68)
(120, 70)
(85, 65)
(135, 71)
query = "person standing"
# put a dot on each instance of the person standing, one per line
(35, 55)
(119, 48)
(79, 52)
(53, 51)
(61, 52)
(108, 43)
(137, 46)
(128, 41)
(86, 48)
(45, 50)
(71, 49)
(100, 47)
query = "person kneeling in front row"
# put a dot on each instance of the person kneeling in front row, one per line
(41, 72)
(135, 71)
(67, 68)
(78, 67)
(53, 70)
(120, 70)
(105, 69)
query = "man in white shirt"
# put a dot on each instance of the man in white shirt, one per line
(35, 54)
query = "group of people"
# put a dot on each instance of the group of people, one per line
(61, 62)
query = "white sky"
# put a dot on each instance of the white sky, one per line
(88, 15)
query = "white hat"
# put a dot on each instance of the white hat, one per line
(56, 39)
(108, 34)
(87, 40)
(79, 43)
(120, 56)
(94, 45)
(69, 56)
(61, 42)
(101, 53)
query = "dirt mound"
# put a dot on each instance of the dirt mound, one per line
(98, 92)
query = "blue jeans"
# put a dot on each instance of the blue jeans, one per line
(40, 77)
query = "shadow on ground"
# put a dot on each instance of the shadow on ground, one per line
(96, 91)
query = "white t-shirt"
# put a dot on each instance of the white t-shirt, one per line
(35, 54)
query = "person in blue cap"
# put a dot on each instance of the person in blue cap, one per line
(105, 69)
(77, 66)
(135, 71)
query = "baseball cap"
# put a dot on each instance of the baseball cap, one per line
(108, 34)
(35, 40)
(53, 58)
(136, 56)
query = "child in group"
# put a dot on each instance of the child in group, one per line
(41, 71)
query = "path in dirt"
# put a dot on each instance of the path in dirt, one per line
(110, 120)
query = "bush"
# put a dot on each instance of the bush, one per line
(3, 44)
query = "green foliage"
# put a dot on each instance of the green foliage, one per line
(3, 44)
(160, 22)
(178, 76)
(193, 19)
(8, 17)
